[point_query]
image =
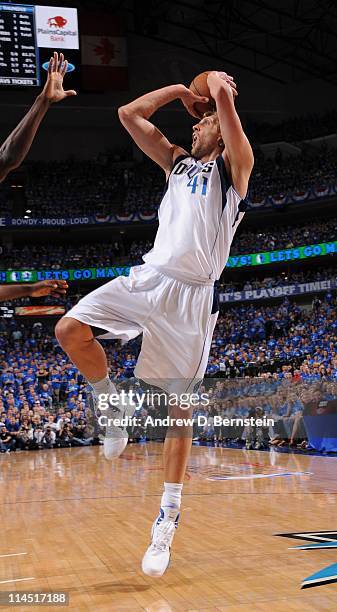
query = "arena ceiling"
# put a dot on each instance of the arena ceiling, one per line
(285, 41)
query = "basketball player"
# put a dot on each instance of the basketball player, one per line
(170, 298)
(15, 148)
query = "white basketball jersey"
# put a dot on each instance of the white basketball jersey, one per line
(198, 217)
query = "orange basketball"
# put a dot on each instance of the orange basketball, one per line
(199, 86)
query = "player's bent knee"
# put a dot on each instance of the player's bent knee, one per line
(69, 332)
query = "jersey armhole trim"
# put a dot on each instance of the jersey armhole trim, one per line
(243, 204)
(242, 207)
(178, 159)
(224, 180)
(226, 184)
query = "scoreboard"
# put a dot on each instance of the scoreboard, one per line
(6, 312)
(28, 36)
(19, 55)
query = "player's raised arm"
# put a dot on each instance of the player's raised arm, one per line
(135, 118)
(15, 148)
(237, 148)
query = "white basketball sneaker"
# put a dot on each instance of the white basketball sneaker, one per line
(157, 557)
(115, 436)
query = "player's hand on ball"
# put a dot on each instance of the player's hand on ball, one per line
(53, 90)
(48, 287)
(189, 99)
(215, 74)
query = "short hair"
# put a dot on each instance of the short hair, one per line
(211, 113)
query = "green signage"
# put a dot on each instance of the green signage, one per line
(31, 276)
(268, 257)
(235, 261)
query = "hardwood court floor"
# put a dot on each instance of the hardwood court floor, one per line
(84, 525)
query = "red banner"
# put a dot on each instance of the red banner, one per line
(104, 53)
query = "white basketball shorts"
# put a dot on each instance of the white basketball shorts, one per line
(176, 318)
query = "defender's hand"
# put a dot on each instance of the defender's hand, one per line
(53, 90)
(48, 287)
(189, 98)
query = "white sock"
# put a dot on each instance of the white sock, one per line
(171, 499)
(103, 386)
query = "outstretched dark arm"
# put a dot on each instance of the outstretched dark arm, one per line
(39, 289)
(15, 148)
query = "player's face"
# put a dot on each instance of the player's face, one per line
(205, 137)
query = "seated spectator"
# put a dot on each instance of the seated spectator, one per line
(65, 436)
(81, 435)
(49, 437)
(7, 444)
(25, 437)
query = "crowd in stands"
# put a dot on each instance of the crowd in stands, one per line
(105, 254)
(73, 188)
(83, 188)
(58, 257)
(280, 346)
(272, 238)
(253, 339)
(42, 397)
(144, 190)
(294, 129)
(286, 175)
(101, 187)
(281, 402)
